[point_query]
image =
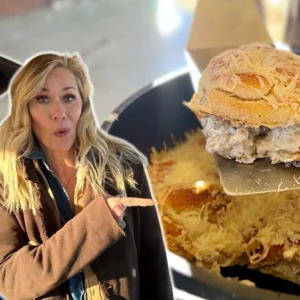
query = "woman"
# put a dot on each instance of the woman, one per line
(64, 233)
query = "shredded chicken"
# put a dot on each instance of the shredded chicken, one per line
(245, 144)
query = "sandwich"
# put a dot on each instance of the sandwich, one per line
(248, 103)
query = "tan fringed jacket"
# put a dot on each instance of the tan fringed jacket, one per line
(37, 256)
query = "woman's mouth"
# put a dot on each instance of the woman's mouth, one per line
(62, 133)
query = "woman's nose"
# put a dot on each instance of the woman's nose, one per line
(58, 111)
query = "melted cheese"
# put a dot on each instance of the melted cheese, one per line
(275, 71)
(247, 227)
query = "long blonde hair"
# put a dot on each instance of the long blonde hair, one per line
(100, 158)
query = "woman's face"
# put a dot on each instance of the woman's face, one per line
(57, 106)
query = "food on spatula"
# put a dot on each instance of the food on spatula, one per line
(248, 102)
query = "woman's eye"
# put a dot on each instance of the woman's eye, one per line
(42, 99)
(69, 98)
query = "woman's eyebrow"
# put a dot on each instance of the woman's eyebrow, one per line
(68, 88)
(64, 89)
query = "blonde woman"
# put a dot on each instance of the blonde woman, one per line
(64, 232)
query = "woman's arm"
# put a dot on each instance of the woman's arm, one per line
(27, 272)
(155, 282)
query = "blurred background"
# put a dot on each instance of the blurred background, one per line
(125, 43)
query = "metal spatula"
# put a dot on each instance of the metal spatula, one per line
(258, 177)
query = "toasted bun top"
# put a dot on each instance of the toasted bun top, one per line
(255, 84)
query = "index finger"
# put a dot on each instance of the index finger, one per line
(131, 201)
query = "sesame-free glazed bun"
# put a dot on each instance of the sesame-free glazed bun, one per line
(255, 85)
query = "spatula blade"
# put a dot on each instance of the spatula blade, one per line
(258, 177)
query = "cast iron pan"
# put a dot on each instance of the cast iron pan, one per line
(147, 119)
(7, 70)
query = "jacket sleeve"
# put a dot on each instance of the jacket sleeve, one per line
(155, 281)
(28, 272)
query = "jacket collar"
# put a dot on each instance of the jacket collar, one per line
(37, 152)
